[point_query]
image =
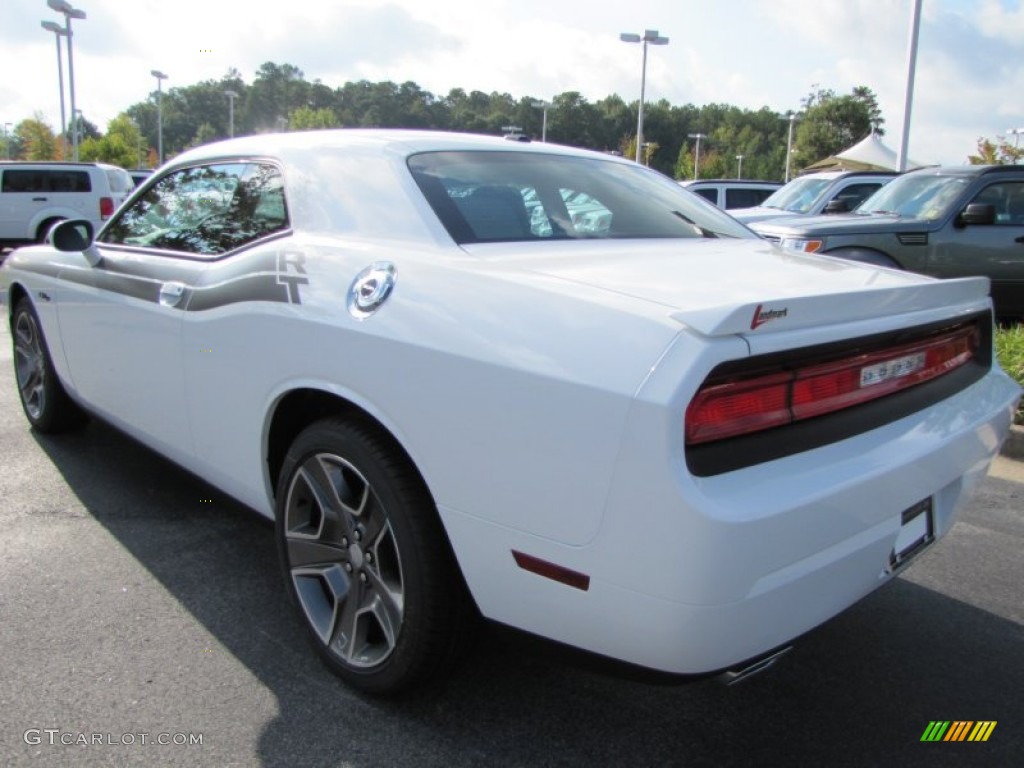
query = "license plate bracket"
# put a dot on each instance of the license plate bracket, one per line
(917, 531)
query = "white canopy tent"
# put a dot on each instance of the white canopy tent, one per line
(869, 154)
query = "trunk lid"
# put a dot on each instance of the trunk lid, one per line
(721, 287)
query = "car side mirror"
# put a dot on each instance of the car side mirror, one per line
(977, 213)
(75, 235)
(839, 205)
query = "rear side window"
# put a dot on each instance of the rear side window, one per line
(120, 182)
(45, 180)
(745, 198)
(708, 193)
(855, 194)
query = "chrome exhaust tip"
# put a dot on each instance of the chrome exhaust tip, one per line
(739, 674)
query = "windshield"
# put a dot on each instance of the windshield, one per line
(488, 197)
(798, 196)
(916, 196)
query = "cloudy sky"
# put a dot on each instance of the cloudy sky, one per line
(750, 53)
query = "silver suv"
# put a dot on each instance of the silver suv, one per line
(814, 193)
(36, 195)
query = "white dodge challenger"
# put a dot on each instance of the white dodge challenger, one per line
(469, 376)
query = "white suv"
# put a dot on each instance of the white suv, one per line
(36, 195)
(814, 193)
(733, 193)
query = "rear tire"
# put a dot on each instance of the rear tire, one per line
(365, 557)
(46, 404)
(44, 229)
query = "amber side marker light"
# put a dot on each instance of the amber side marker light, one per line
(551, 571)
(745, 405)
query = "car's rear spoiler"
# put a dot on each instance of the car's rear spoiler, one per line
(771, 315)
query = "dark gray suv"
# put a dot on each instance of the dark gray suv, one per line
(945, 222)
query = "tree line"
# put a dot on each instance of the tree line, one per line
(281, 98)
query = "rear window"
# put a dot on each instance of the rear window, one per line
(45, 180)
(120, 182)
(487, 197)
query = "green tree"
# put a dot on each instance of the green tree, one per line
(833, 123)
(121, 145)
(309, 119)
(277, 90)
(35, 138)
(205, 134)
(995, 153)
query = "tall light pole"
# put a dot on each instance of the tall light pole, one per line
(696, 156)
(7, 138)
(62, 6)
(915, 25)
(1016, 135)
(545, 105)
(160, 77)
(58, 30)
(792, 117)
(650, 36)
(739, 166)
(232, 95)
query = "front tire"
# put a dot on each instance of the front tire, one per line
(365, 558)
(43, 399)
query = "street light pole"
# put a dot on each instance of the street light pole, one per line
(650, 36)
(7, 138)
(62, 6)
(908, 101)
(160, 77)
(76, 126)
(58, 30)
(231, 112)
(1016, 136)
(544, 124)
(789, 142)
(696, 156)
(739, 166)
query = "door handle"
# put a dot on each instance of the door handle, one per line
(39, 199)
(1019, 239)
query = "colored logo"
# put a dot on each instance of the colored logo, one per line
(762, 316)
(958, 730)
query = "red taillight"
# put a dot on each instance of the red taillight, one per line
(726, 410)
(106, 207)
(749, 405)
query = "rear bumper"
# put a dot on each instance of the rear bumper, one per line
(692, 575)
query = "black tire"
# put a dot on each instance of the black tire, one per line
(45, 227)
(365, 558)
(43, 399)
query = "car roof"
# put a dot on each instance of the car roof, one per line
(386, 141)
(966, 170)
(694, 182)
(844, 174)
(52, 163)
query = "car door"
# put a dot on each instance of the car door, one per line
(122, 319)
(995, 250)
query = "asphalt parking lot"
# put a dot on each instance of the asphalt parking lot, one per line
(137, 605)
